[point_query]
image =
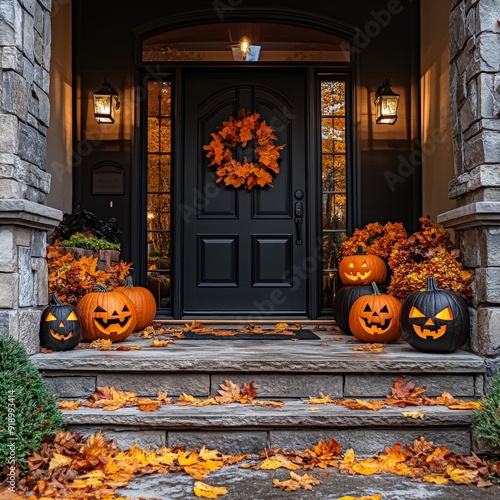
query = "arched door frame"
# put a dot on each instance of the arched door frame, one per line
(241, 14)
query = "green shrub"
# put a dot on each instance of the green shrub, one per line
(486, 422)
(28, 408)
(79, 240)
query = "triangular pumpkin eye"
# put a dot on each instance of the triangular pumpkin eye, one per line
(99, 309)
(445, 314)
(72, 316)
(364, 264)
(384, 310)
(50, 317)
(351, 265)
(415, 313)
(125, 308)
(367, 309)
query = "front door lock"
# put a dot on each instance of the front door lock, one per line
(299, 215)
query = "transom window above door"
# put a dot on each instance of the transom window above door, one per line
(223, 42)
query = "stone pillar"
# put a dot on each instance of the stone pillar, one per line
(475, 106)
(24, 119)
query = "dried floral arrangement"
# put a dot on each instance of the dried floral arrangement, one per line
(72, 278)
(426, 253)
(375, 238)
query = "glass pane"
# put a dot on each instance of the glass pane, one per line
(159, 173)
(339, 134)
(327, 135)
(334, 211)
(159, 98)
(159, 285)
(158, 215)
(158, 250)
(153, 139)
(331, 249)
(159, 138)
(333, 98)
(334, 173)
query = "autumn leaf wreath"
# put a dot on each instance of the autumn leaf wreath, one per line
(245, 127)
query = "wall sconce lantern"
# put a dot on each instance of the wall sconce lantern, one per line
(386, 104)
(105, 103)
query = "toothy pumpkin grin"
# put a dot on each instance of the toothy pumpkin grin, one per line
(60, 336)
(426, 332)
(375, 327)
(358, 276)
(109, 325)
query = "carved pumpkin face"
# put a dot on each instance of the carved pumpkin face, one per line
(435, 320)
(430, 327)
(106, 315)
(375, 318)
(362, 269)
(60, 328)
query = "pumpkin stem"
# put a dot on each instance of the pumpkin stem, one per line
(129, 282)
(376, 290)
(56, 300)
(432, 285)
(100, 288)
(361, 250)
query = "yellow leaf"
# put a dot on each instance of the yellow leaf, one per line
(435, 478)
(414, 414)
(377, 496)
(367, 467)
(462, 476)
(203, 490)
(271, 464)
(68, 405)
(322, 400)
(59, 460)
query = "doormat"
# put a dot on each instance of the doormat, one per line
(199, 331)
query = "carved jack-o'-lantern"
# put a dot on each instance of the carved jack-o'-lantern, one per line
(60, 328)
(106, 315)
(435, 320)
(376, 317)
(362, 269)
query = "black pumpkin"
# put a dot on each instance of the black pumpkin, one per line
(60, 328)
(435, 320)
(343, 301)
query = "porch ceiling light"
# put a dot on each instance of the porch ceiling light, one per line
(105, 103)
(245, 46)
(386, 104)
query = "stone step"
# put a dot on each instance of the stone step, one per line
(279, 369)
(285, 370)
(243, 428)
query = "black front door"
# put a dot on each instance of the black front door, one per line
(244, 251)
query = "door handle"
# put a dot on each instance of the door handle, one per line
(299, 214)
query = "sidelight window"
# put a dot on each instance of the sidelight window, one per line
(158, 214)
(333, 182)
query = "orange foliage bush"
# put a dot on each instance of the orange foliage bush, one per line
(426, 253)
(72, 278)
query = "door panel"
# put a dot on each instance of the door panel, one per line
(240, 247)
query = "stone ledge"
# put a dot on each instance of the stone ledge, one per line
(240, 356)
(20, 212)
(296, 414)
(481, 213)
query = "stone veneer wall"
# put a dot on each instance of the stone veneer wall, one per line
(24, 183)
(475, 105)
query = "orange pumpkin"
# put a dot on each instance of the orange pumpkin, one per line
(106, 315)
(362, 269)
(376, 317)
(143, 300)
